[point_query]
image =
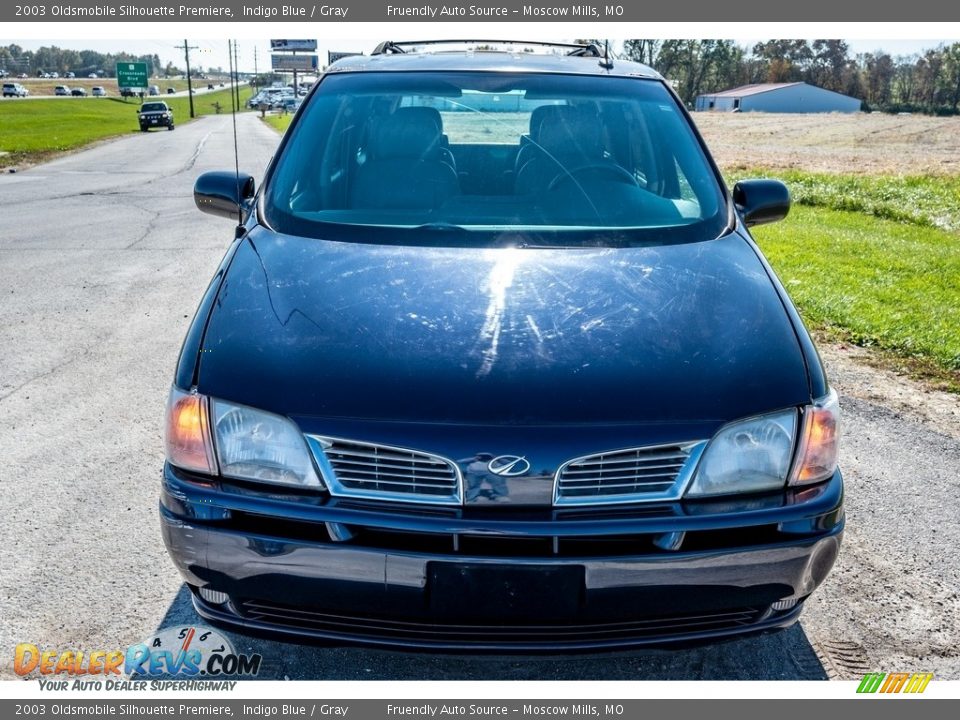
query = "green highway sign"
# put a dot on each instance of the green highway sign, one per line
(132, 74)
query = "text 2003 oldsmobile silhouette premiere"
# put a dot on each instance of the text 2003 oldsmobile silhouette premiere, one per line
(494, 363)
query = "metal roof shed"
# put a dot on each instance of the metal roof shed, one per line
(795, 97)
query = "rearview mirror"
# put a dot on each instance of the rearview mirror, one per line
(761, 201)
(224, 193)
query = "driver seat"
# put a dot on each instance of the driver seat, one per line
(570, 138)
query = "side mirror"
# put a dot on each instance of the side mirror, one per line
(224, 193)
(761, 201)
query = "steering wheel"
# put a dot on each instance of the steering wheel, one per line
(613, 172)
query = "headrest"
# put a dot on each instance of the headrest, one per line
(407, 133)
(541, 114)
(571, 131)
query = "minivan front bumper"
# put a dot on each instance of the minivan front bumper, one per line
(308, 567)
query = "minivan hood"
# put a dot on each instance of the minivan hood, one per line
(692, 334)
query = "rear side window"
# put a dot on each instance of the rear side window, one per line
(558, 159)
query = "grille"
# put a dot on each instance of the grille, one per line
(356, 469)
(647, 473)
(430, 632)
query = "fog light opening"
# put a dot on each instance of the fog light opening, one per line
(214, 597)
(781, 605)
(669, 541)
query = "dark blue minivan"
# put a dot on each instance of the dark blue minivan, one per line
(494, 363)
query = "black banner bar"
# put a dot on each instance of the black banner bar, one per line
(597, 709)
(477, 11)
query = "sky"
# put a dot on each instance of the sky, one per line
(213, 52)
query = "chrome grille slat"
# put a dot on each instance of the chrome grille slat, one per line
(396, 483)
(638, 484)
(387, 456)
(391, 465)
(366, 470)
(410, 476)
(603, 460)
(657, 472)
(630, 471)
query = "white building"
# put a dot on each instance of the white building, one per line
(795, 97)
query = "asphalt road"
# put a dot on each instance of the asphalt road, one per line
(103, 258)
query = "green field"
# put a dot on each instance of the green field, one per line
(33, 130)
(888, 284)
(913, 199)
(280, 123)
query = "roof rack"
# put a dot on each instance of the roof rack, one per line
(390, 47)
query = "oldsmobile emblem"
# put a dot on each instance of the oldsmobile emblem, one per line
(509, 465)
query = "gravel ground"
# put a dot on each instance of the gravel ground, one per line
(99, 275)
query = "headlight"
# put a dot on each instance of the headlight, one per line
(819, 444)
(751, 455)
(259, 446)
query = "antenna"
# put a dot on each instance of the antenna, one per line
(234, 102)
(606, 63)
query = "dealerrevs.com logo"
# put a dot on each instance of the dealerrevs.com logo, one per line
(189, 652)
(887, 683)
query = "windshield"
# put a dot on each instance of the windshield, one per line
(153, 107)
(479, 157)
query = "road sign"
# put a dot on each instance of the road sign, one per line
(293, 45)
(132, 74)
(306, 63)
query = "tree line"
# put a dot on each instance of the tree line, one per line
(928, 82)
(15, 60)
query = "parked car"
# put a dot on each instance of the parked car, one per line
(78, 92)
(14, 90)
(170, 91)
(69, 75)
(494, 362)
(61, 90)
(129, 92)
(279, 100)
(153, 90)
(98, 91)
(290, 104)
(92, 75)
(155, 114)
(267, 96)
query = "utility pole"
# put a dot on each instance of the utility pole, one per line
(236, 69)
(186, 51)
(256, 74)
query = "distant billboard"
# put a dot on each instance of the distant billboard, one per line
(293, 45)
(304, 63)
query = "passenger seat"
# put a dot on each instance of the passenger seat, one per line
(403, 168)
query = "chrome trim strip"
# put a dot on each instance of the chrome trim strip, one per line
(694, 450)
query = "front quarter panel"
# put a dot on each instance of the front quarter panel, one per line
(188, 364)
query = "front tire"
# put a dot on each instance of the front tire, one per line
(170, 127)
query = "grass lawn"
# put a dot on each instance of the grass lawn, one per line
(881, 283)
(33, 130)
(280, 123)
(933, 201)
